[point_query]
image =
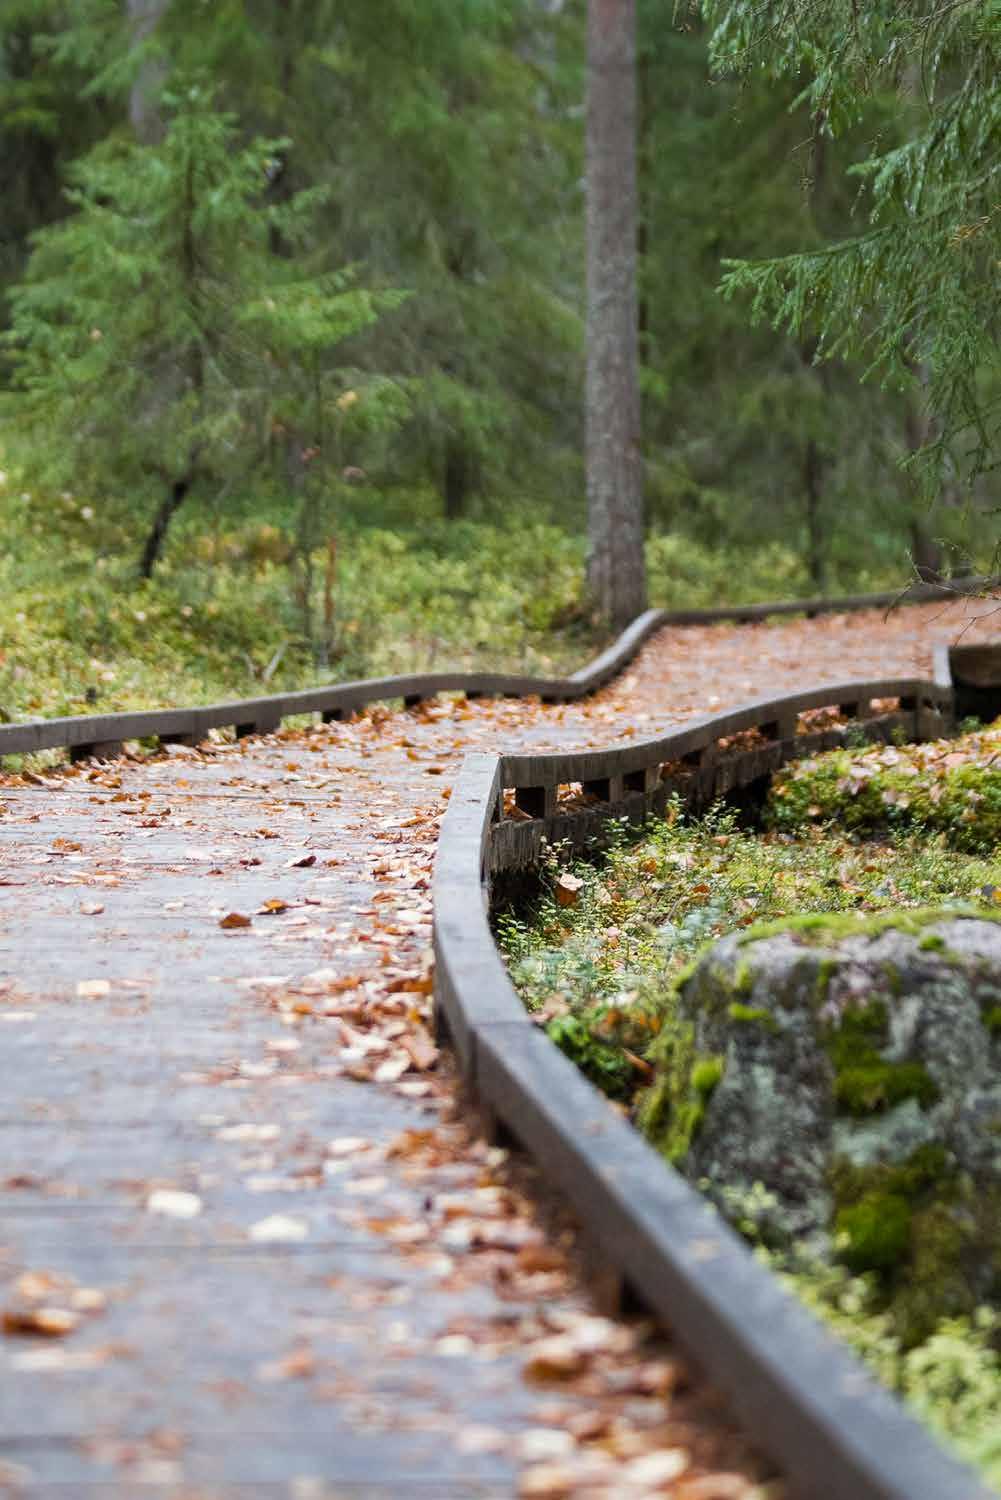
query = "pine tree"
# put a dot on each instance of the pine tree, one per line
(156, 335)
(616, 569)
(912, 294)
(748, 442)
(46, 117)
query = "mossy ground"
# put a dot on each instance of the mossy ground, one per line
(653, 903)
(223, 617)
(947, 787)
(611, 962)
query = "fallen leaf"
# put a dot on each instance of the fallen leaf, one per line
(568, 889)
(556, 1358)
(347, 1145)
(421, 1050)
(654, 1471)
(174, 1204)
(235, 919)
(93, 989)
(42, 1322)
(393, 1068)
(278, 1229)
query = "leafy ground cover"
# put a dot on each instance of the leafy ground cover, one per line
(235, 608)
(946, 787)
(867, 831)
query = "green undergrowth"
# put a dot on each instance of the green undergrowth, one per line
(601, 973)
(224, 616)
(951, 1380)
(607, 962)
(949, 788)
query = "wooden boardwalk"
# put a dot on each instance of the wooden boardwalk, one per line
(249, 1243)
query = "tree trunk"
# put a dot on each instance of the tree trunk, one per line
(144, 96)
(814, 457)
(644, 167)
(172, 502)
(926, 552)
(813, 468)
(616, 569)
(456, 480)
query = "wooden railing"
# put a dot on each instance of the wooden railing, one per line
(85, 735)
(807, 1401)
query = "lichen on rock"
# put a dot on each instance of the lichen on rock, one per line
(856, 1078)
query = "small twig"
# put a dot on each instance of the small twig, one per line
(273, 664)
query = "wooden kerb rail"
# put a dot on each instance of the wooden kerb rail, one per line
(86, 735)
(807, 1401)
(810, 1404)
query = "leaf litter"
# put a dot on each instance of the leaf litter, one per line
(617, 1411)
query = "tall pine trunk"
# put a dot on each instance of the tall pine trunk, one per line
(616, 568)
(456, 479)
(144, 96)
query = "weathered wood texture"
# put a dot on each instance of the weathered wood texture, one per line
(833, 1429)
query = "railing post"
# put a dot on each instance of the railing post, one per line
(537, 801)
(645, 780)
(781, 728)
(99, 750)
(605, 788)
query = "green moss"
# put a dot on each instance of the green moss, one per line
(752, 1015)
(672, 1110)
(826, 970)
(911, 1223)
(893, 978)
(934, 1285)
(926, 1168)
(867, 792)
(705, 1076)
(932, 942)
(992, 1020)
(875, 1233)
(864, 1082)
(818, 926)
(872, 1087)
(743, 979)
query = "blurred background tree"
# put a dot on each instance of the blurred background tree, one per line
(437, 151)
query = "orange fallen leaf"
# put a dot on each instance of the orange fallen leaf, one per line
(568, 889)
(235, 919)
(93, 989)
(41, 1322)
(422, 1051)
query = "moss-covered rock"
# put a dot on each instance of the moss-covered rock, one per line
(857, 1079)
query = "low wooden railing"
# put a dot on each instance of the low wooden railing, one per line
(809, 1403)
(86, 735)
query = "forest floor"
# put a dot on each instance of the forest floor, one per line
(252, 1243)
